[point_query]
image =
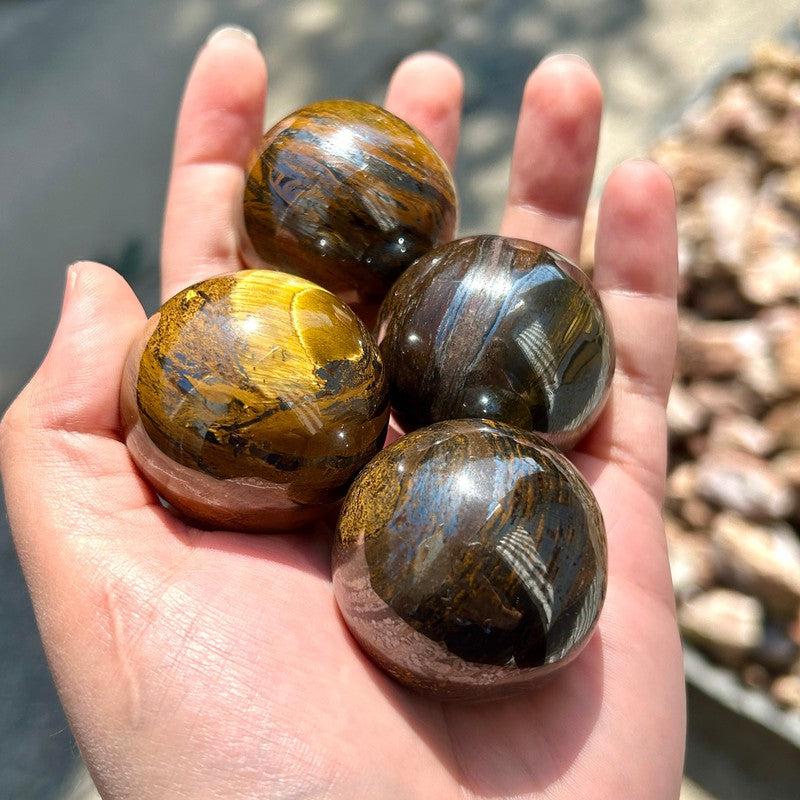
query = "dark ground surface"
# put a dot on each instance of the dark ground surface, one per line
(735, 759)
(88, 94)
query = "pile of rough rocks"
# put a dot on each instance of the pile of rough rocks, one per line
(733, 493)
(732, 508)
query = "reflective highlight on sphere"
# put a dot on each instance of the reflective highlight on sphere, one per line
(497, 328)
(348, 195)
(470, 559)
(252, 399)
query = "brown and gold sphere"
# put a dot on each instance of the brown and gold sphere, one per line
(346, 194)
(496, 328)
(470, 559)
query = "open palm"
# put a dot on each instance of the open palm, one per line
(196, 664)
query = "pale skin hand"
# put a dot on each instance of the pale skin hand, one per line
(199, 664)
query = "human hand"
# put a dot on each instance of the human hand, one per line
(213, 664)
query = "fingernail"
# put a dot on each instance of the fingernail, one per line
(574, 57)
(66, 319)
(642, 161)
(231, 33)
(70, 285)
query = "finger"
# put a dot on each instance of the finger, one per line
(636, 275)
(427, 90)
(76, 388)
(219, 124)
(70, 491)
(60, 450)
(554, 154)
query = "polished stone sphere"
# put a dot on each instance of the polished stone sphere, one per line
(497, 328)
(470, 559)
(347, 195)
(252, 399)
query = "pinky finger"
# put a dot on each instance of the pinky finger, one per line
(636, 276)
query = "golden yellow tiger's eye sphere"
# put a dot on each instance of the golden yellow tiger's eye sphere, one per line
(348, 195)
(252, 399)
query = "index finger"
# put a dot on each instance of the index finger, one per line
(219, 124)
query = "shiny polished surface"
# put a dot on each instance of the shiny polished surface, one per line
(470, 559)
(347, 195)
(252, 399)
(497, 328)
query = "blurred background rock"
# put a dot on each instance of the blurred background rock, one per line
(88, 96)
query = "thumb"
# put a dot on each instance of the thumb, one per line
(76, 388)
(50, 470)
(69, 484)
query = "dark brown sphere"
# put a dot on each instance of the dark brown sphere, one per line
(251, 400)
(496, 328)
(470, 559)
(347, 195)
